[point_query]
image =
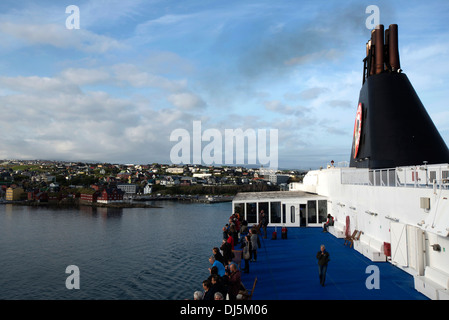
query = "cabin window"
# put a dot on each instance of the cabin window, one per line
(432, 176)
(322, 211)
(302, 215)
(311, 211)
(275, 213)
(263, 206)
(240, 209)
(445, 176)
(251, 213)
(292, 214)
(284, 213)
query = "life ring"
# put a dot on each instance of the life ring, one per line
(357, 130)
(348, 227)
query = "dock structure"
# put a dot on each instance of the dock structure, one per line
(286, 269)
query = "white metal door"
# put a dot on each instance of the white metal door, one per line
(399, 243)
(292, 217)
(415, 250)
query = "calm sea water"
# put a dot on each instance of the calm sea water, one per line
(124, 254)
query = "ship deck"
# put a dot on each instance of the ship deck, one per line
(286, 269)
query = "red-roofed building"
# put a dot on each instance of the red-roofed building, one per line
(89, 196)
(110, 195)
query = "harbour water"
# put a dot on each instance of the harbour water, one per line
(126, 254)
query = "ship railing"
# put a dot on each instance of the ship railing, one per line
(426, 176)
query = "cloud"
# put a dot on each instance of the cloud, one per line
(63, 117)
(132, 75)
(110, 13)
(321, 37)
(312, 93)
(279, 107)
(37, 84)
(186, 100)
(176, 27)
(58, 36)
(326, 54)
(346, 104)
(83, 76)
(92, 125)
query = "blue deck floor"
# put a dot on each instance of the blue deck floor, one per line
(287, 270)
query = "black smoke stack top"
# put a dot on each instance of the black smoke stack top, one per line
(393, 49)
(392, 127)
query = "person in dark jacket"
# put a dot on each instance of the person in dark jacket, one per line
(218, 256)
(323, 260)
(246, 252)
(234, 281)
(254, 244)
(263, 223)
(208, 294)
(228, 255)
(218, 285)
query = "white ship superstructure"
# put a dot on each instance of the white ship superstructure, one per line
(402, 214)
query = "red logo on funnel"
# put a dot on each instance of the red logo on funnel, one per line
(357, 130)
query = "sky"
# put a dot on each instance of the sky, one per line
(137, 72)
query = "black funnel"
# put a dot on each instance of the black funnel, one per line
(392, 127)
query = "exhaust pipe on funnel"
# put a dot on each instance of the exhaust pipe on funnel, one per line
(379, 49)
(382, 51)
(393, 50)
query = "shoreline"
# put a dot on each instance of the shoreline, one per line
(138, 202)
(78, 203)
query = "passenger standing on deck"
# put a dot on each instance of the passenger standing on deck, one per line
(323, 259)
(234, 234)
(218, 264)
(227, 252)
(230, 240)
(225, 232)
(254, 246)
(246, 252)
(218, 285)
(208, 294)
(244, 229)
(263, 223)
(234, 281)
(218, 256)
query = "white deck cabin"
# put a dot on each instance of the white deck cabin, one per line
(283, 208)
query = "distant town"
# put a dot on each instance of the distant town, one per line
(41, 181)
